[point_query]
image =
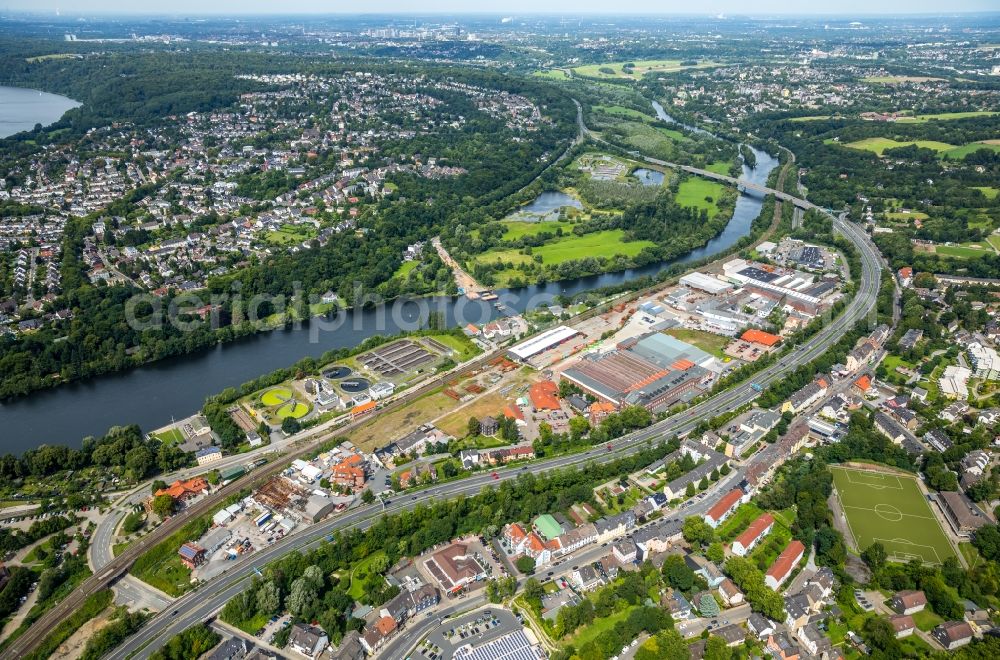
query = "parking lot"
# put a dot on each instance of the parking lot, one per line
(475, 628)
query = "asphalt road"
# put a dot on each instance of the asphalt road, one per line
(200, 604)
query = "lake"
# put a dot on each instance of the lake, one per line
(174, 388)
(21, 109)
(545, 207)
(648, 177)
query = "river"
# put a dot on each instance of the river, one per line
(173, 388)
(21, 109)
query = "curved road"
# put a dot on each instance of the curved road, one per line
(200, 604)
(203, 603)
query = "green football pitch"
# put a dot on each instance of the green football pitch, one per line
(890, 509)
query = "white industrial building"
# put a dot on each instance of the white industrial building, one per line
(542, 342)
(707, 283)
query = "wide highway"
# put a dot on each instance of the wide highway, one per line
(209, 597)
(204, 602)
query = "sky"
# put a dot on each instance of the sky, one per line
(505, 7)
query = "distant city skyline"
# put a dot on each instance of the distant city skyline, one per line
(504, 7)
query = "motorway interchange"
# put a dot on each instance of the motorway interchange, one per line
(201, 604)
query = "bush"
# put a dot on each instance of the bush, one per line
(188, 645)
(133, 522)
(123, 624)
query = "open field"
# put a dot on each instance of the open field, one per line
(600, 626)
(892, 80)
(360, 573)
(170, 436)
(456, 424)
(892, 362)
(879, 145)
(812, 118)
(53, 56)
(706, 341)
(695, 191)
(388, 426)
(912, 215)
(719, 167)
(608, 243)
(518, 229)
(989, 191)
(621, 111)
(405, 268)
(945, 116)
(463, 346)
(891, 509)
(551, 74)
(970, 251)
(291, 234)
(972, 147)
(641, 68)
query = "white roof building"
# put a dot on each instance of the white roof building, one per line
(954, 382)
(985, 361)
(706, 283)
(542, 342)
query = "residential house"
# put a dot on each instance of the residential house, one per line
(760, 626)
(378, 634)
(781, 647)
(408, 603)
(658, 538)
(488, 426)
(350, 648)
(752, 535)
(586, 578)
(784, 564)
(611, 527)
(307, 640)
(963, 516)
(902, 625)
(889, 427)
(910, 339)
(812, 639)
(938, 440)
(733, 634)
(908, 601)
(953, 634)
(625, 551)
(860, 356)
(797, 611)
(208, 455)
(678, 605)
(730, 593)
(805, 397)
(724, 507)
